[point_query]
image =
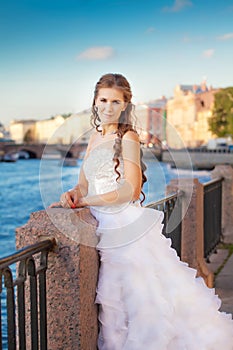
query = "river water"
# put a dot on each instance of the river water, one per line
(31, 185)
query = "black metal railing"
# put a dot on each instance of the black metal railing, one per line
(30, 277)
(171, 204)
(212, 215)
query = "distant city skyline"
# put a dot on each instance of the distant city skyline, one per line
(52, 53)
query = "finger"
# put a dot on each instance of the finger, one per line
(66, 200)
(64, 203)
(75, 199)
(55, 204)
(69, 200)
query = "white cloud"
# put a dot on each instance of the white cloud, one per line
(178, 6)
(193, 39)
(186, 39)
(226, 36)
(150, 30)
(97, 53)
(208, 53)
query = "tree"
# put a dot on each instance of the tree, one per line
(221, 123)
(64, 115)
(28, 137)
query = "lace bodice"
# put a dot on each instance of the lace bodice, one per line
(99, 171)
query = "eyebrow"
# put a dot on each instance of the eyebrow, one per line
(115, 99)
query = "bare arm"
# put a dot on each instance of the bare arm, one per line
(70, 198)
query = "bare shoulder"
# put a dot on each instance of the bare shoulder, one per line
(131, 136)
(131, 146)
(93, 136)
(91, 142)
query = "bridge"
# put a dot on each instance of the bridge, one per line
(197, 158)
(37, 150)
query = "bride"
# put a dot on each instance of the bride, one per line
(148, 299)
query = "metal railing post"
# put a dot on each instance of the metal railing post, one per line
(26, 259)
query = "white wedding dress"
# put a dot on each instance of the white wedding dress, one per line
(148, 298)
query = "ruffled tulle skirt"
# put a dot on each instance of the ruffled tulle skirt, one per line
(149, 299)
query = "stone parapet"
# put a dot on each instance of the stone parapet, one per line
(192, 241)
(71, 276)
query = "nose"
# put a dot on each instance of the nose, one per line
(109, 106)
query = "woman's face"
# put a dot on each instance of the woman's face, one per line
(110, 103)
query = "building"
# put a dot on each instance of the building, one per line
(22, 130)
(4, 134)
(56, 130)
(35, 130)
(179, 122)
(45, 129)
(204, 107)
(187, 116)
(151, 118)
(76, 128)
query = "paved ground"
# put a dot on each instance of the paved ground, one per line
(224, 280)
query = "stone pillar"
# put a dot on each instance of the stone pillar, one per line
(192, 238)
(71, 275)
(226, 172)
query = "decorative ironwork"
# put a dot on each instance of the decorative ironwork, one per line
(212, 215)
(171, 204)
(35, 277)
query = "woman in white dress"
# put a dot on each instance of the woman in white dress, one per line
(148, 299)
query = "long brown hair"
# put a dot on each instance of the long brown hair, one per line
(126, 122)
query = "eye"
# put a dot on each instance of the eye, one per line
(116, 102)
(103, 100)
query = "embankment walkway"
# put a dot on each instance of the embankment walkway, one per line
(224, 279)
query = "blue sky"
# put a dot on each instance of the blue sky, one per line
(52, 52)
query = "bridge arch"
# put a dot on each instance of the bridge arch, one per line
(32, 154)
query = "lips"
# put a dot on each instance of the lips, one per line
(108, 115)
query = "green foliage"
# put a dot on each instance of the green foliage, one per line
(221, 123)
(28, 137)
(64, 115)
